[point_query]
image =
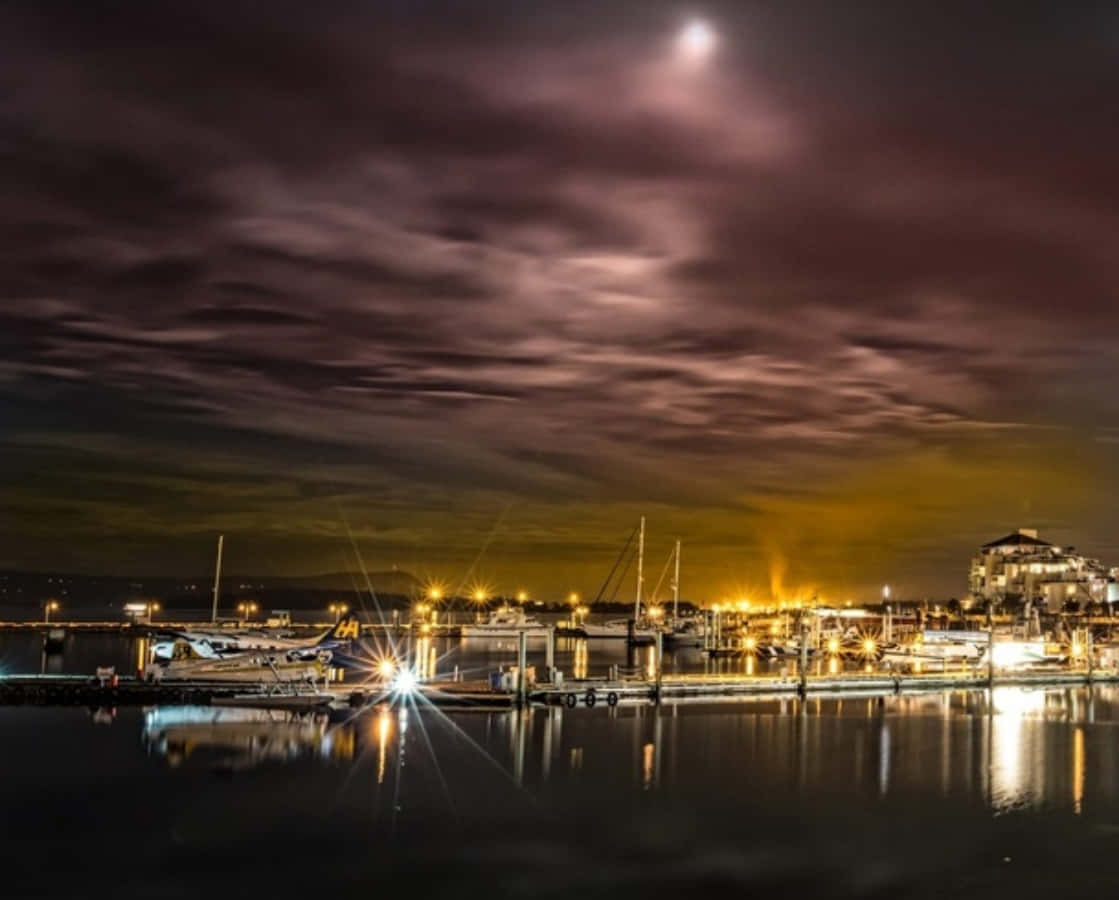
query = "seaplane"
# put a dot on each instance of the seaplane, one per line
(216, 644)
(256, 667)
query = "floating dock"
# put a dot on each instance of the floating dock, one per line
(78, 690)
(83, 690)
(709, 687)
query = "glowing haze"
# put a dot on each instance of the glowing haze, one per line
(826, 290)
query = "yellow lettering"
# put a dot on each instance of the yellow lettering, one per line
(347, 630)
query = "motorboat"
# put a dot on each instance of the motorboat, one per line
(506, 621)
(619, 629)
(937, 648)
(685, 633)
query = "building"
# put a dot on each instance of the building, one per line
(1022, 568)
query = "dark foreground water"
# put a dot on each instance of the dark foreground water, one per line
(948, 794)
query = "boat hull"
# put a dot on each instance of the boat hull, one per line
(485, 631)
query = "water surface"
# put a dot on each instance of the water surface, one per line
(911, 796)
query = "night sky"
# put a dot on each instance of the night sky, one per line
(829, 291)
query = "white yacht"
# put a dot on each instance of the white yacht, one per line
(935, 647)
(506, 621)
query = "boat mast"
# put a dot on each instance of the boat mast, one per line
(217, 579)
(676, 587)
(640, 571)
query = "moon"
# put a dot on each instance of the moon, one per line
(696, 41)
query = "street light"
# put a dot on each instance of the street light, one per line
(153, 608)
(49, 607)
(522, 596)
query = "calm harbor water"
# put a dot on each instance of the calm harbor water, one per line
(919, 796)
(21, 653)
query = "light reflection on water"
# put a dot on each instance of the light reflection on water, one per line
(911, 796)
(1020, 749)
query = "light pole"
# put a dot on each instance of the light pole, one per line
(48, 608)
(153, 608)
(434, 596)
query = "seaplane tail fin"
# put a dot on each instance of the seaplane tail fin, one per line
(348, 628)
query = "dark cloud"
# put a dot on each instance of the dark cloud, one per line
(523, 264)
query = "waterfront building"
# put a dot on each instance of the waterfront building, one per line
(1021, 568)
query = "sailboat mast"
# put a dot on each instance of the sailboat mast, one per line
(217, 579)
(676, 587)
(640, 571)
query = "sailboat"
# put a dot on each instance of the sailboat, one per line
(687, 632)
(620, 629)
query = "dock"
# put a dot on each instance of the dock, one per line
(83, 690)
(78, 690)
(593, 692)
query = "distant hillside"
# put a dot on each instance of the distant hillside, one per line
(389, 582)
(31, 589)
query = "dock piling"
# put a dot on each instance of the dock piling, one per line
(522, 663)
(660, 663)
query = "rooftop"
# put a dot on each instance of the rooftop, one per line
(1022, 538)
